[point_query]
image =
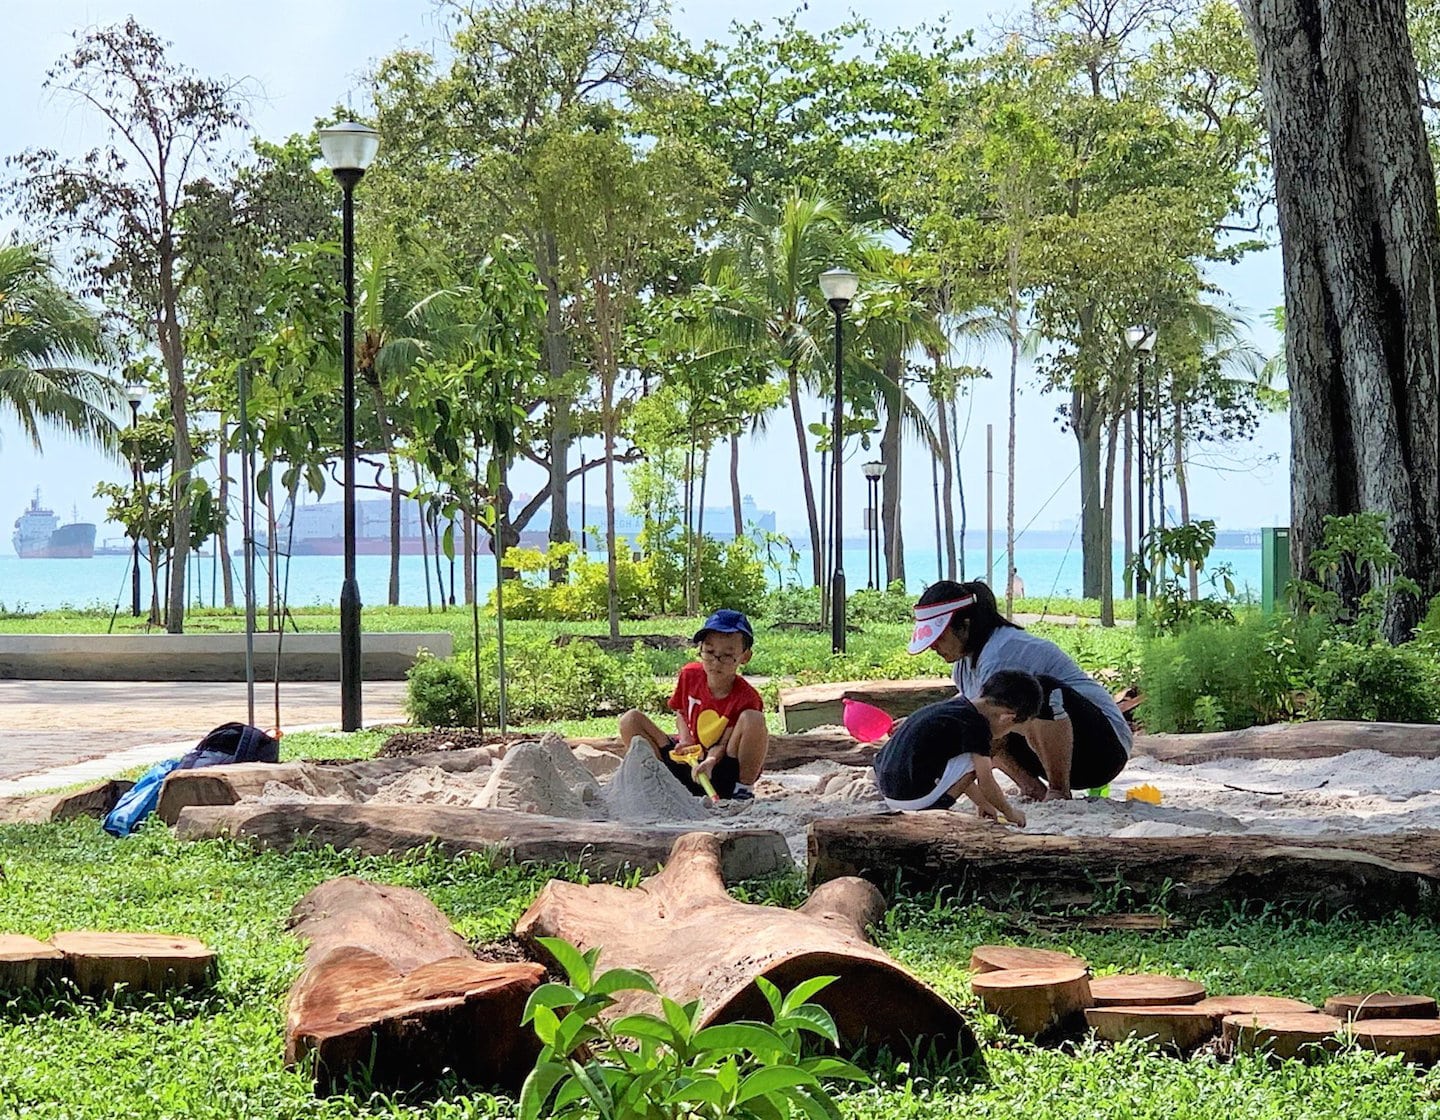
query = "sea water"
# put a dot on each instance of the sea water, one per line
(103, 582)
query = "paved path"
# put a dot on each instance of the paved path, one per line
(45, 725)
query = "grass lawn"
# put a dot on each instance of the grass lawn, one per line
(218, 1055)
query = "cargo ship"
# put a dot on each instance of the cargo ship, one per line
(40, 536)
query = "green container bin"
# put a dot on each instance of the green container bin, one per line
(1274, 566)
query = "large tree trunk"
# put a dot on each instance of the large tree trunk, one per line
(1128, 512)
(1085, 422)
(1355, 197)
(735, 484)
(697, 942)
(1013, 257)
(947, 478)
(1107, 526)
(1182, 485)
(816, 547)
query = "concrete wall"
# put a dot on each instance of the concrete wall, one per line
(206, 657)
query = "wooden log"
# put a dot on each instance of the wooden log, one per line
(1380, 1005)
(1179, 1027)
(98, 963)
(1415, 1040)
(26, 963)
(1219, 1007)
(1372, 875)
(823, 705)
(43, 808)
(392, 993)
(606, 849)
(787, 752)
(1281, 1034)
(1036, 1002)
(992, 958)
(682, 928)
(1319, 739)
(1144, 990)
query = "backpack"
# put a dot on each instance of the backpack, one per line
(231, 743)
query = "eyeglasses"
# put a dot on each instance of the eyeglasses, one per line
(719, 658)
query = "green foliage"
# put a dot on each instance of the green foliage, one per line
(1217, 676)
(1357, 575)
(546, 681)
(1165, 556)
(644, 1066)
(1375, 682)
(440, 693)
(732, 575)
(890, 604)
(585, 592)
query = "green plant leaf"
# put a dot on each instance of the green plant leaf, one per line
(702, 1090)
(575, 964)
(538, 1087)
(772, 1079)
(647, 1026)
(809, 1017)
(772, 996)
(547, 1025)
(835, 1067)
(817, 1105)
(734, 1037)
(623, 980)
(549, 995)
(802, 992)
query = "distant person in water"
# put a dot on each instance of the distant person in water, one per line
(1017, 585)
(1079, 738)
(716, 710)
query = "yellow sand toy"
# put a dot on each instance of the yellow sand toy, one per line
(692, 755)
(1146, 793)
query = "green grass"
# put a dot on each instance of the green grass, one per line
(218, 1055)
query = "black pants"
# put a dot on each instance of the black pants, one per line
(1098, 755)
(725, 777)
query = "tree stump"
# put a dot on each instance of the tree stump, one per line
(140, 962)
(1218, 1007)
(26, 963)
(1282, 1034)
(1380, 1005)
(390, 991)
(991, 958)
(697, 942)
(1179, 1027)
(1415, 1040)
(1143, 990)
(1035, 1002)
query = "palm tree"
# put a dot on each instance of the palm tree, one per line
(771, 261)
(45, 332)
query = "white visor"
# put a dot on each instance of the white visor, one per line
(931, 621)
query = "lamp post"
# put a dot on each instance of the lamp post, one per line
(838, 286)
(1141, 341)
(348, 149)
(135, 394)
(873, 472)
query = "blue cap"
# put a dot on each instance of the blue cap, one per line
(727, 622)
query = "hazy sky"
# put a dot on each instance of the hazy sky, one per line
(302, 56)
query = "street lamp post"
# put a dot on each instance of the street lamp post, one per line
(838, 285)
(873, 472)
(1140, 340)
(348, 149)
(135, 394)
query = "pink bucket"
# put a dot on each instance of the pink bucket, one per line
(866, 722)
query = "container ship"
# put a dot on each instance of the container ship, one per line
(40, 536)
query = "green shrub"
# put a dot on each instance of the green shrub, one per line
(732, 575)
(1374, 682)
(586, 593)
(572, 681)
(1217, 676)
(439, 693)
(642, 1065)
(890, 604)
(1427, 634)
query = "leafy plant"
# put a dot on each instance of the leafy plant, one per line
(1374, 682)
(1165, 556)
(643, 1066)
(1357, 575)
(439, 693)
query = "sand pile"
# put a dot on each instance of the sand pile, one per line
(430, 785)
(644, 791)
(544, 778)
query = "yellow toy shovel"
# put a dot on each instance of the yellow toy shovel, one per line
(692, 755)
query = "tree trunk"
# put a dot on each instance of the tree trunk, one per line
(959, 488)
(557, 362)
(1085, 422)
(1355, 198)
(394, 589)
(1107, 527)
(890, 448)
(1128, 512)
(735, 484)
(172, 352)
(1014, 329)
(802, 447)
(222, 535)
(947, 478)
(468, 549)
(727, 944)
(1183, 486)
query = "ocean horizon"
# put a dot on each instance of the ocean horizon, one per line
(102, 582)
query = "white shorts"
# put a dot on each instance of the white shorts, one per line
(954, 770)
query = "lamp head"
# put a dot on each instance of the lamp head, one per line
(134, 393)
(1140, 338)
(349, 148)
(839, 285)
(873, 470)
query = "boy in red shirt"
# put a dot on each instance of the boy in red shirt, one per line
(716, 708)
